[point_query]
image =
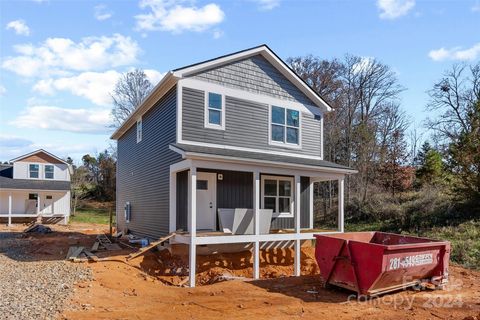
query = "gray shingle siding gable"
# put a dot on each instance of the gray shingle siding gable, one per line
(254, 74)
(246, 125)
(143, 170)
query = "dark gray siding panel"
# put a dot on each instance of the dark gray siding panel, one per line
(254, 74)
(246, 125)
(236, 191)
(143, 170)
(182, 200)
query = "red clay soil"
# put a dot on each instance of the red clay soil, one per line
(142, 288)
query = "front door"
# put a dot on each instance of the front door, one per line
(206, 201)
(48, 205)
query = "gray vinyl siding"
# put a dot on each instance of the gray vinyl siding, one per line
(143, 170)
(236, 191)
(246, 125)
(257, 75)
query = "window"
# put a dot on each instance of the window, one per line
(33, 171)
(48, 171)
(214, 111)
(139, 130)
(202, 184)
(48, 197)
(285, 125)
(277, 194)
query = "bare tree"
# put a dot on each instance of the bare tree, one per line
(453, 96)
(130, 91)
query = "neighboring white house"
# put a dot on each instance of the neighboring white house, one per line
(35, 185)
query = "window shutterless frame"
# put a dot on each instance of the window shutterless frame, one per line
(209, 109)
(285, 126)
(49, 171)
(278, 196)
(35, 169)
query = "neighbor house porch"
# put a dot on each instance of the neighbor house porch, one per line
(217, 199)
(34, 203)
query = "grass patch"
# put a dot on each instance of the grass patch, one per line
(91, 215)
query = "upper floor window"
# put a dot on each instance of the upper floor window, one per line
(285, 125)
(139, 130)
(214, 111)
(33, 170)
(48, 171)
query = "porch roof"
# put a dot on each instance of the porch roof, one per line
(7, 182)
(188, 150)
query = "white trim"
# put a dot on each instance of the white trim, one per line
(277, 214)
(284, 144)
(206, 112)
(296, 202)
(222, 146)
(310, 205)
(199, 240)
(271, 57)
(10, 209)
(38, 151)
(321, 138)
(341, 199)
(297, 259)
(247, 95)
(192, 223)
(179, 112)
(287, 166)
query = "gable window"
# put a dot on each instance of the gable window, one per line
(139, 130)
(214, 111)
(33, 170)
(48, 171)
(277, 194)
(284, 125)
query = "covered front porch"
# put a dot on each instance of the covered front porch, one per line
(202, 186)
(33, 203)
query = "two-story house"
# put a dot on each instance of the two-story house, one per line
(35, 185)
(220, 146)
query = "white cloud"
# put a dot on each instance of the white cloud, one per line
(59, 56)
(456, 53)
(101, 13)
(267, 4)
(64, 119)
(476, 7)
(3, 90)
(363, 64)
(172, 16)
(94, 86)
(392, 9)
(19, 26)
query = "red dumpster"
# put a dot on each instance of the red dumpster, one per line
(372, 263)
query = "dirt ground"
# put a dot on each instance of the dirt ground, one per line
(142, 289)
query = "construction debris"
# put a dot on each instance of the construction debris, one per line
(80, 254)
(151, 246)
(38, 228)
(103, 243)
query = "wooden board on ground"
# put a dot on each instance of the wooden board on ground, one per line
(150, 246)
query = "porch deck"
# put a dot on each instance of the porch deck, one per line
(218, 237)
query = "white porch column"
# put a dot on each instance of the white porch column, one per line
(10, 209)
(297, 225)
(192, 228)
(173, 202)
(312, 213)
(256, 208)
(341, 199)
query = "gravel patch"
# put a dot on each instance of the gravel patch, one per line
(31, 288)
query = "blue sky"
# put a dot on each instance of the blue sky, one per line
(60, 59)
